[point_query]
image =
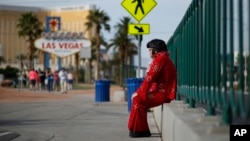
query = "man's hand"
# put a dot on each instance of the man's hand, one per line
(133, 95)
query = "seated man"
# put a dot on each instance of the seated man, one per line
(158, 87)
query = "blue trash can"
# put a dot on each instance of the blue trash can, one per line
(132, 85)
(102, 90)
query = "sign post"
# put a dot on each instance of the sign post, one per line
(139, 9)
(139, 55)
(52, 24)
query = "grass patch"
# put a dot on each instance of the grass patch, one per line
(83, 86)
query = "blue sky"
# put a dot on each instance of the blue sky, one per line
(163, 19)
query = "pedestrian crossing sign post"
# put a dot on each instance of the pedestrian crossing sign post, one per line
(139, 8)
(138, 29)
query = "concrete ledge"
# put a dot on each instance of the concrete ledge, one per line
(157, 111)
(177, 122)
(119, 96)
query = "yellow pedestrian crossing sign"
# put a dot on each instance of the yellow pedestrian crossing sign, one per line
(138, 29)
(139, 8)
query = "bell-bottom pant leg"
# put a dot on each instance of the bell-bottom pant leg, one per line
(138, 114)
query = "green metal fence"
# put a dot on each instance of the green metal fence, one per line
(210, 49)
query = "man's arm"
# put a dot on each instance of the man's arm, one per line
(151, 76)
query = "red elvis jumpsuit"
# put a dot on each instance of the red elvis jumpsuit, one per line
(158, 87)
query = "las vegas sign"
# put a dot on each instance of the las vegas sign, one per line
(62, 44)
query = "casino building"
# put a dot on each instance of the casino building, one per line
(72, 19)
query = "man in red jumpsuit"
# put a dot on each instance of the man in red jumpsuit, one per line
(158, 87)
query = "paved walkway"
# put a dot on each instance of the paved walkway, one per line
(72, 117)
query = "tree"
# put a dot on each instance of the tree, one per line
(97, 19)
(116, 69)
(30, 28)
(123, 41)
(93, 52)
(126, 46)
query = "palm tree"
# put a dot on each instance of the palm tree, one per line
(94, 54)
(126, 46)
(30, 28)
(116, 69)
(123, 41)
(97, 19)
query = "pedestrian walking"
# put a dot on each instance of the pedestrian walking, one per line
(49, 79)
(56, 81)
(63, 80)
(32, 79)
(70, 80)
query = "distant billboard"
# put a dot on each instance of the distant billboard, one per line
(62, 44)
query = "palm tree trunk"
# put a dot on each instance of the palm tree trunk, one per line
(122, 54)
(90, 70)
(126, 54)
(97, 63)
(31, 66)
(77, 67)
(30, 58)
(97, 75)
(44, 60)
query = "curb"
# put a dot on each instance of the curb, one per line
(8, 136)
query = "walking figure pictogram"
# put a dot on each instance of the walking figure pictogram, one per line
(139, 5)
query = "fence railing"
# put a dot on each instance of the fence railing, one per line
(210, 48)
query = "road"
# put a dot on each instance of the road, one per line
(72, 117)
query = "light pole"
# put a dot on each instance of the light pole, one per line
(20, 73)
(139, 55)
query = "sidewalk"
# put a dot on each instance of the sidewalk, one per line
(76, 118)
